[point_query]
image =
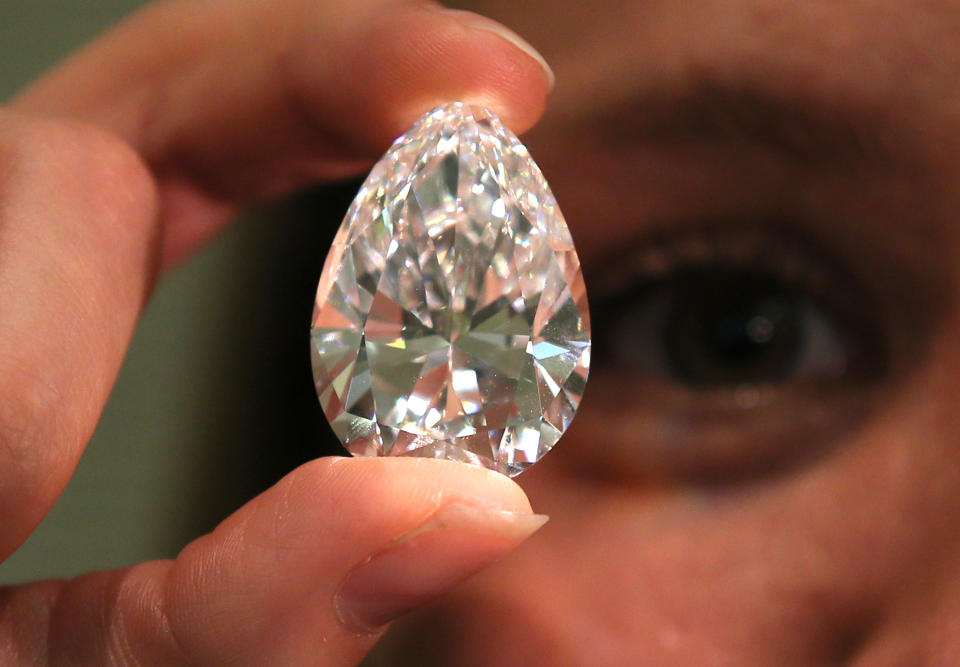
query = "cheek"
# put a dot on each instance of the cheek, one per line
(807, 568)
(672, 576)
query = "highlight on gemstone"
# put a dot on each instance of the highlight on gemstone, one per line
(451, 317)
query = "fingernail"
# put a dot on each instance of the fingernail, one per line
(428, 561)
(480, 22)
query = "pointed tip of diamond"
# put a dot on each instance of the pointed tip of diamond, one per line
(451, 319)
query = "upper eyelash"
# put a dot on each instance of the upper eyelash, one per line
(776, 249)
(798, 262)
(662, 251)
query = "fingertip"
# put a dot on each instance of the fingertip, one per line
(417, 528)
(513, 79)
(342, 544)
(397, 65)
(471, 58)
(483, 23)
(427, 562)
(419, 484)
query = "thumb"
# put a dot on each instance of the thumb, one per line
(310, 572)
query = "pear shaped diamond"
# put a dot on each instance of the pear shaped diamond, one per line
(451, 318)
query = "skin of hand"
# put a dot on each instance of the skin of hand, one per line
(120, 162)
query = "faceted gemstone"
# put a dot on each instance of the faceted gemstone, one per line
(451, 318)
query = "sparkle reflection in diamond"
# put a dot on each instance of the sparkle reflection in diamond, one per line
(451, 318)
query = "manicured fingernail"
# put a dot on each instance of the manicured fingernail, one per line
(428, 561)
(480, 22)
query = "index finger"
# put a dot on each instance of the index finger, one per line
(235, 101)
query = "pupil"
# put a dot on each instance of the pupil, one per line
(727, 327)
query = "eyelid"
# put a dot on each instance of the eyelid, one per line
(793, 124)
(775, 247)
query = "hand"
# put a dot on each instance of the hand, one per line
(121, 162)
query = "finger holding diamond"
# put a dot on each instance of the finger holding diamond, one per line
(227, 101)
(233, 101)
(309, 573)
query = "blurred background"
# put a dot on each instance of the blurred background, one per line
(215, 401)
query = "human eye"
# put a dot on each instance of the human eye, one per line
(768, 273)
(730, 351)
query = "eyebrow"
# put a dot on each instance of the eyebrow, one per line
(797, 125)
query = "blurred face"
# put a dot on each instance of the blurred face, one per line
(766, 465)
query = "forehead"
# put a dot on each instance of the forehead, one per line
(867, 50)
(811, 76)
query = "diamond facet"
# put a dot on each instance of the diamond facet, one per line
(451, 317)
